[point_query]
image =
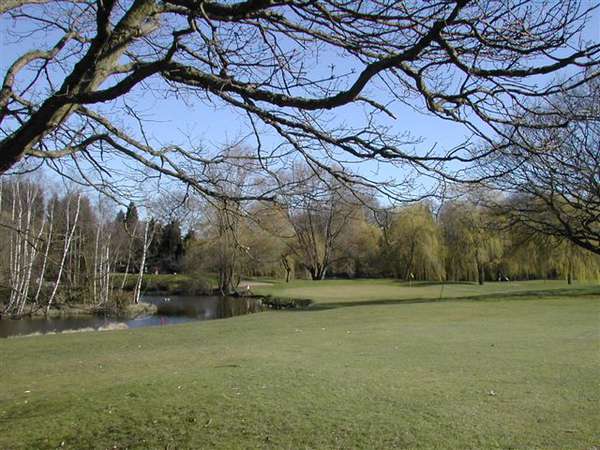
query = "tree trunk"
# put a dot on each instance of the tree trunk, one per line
(147, 241)
(286, 266)
(45, 261)
(129, 249)
(480, 273)
(318, 272)
(408, 271)
(70, 232)
(96, 277)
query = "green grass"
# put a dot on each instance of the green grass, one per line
(392, 374)
(330, 293)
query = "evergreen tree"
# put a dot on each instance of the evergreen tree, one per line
(153, 259)
(131, 216)
(171, 247)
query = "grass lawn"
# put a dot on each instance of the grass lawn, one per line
(335, 293)
(365, 368)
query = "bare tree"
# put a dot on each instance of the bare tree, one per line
(552, 176)
(132, 238)
(71, 226)
(73, 103)
(224, 213)
(25, 229)
(101, 283)
(46, 253)
(318, 212)
(227, 246)
(148, 237)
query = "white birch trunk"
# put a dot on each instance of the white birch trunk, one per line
(95, 277)
(32, 259)
(70, 231)
(14, 246)
(46, 252)
(131, 241)
(146, 245)
(106, 274)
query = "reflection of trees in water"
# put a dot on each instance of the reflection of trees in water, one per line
(207, 307)
(172, 311)
(235, 306)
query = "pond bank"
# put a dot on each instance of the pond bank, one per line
(284, 303)
(153, 310)
(77, 310)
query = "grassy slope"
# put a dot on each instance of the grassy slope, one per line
(383, 375)
(330, 293)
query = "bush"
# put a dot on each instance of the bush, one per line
(120, 300)
(196, 285)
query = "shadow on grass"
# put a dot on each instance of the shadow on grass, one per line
(519, 295)
(434, 283)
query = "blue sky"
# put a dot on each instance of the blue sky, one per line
(215, 126)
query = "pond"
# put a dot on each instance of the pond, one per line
(171, 310)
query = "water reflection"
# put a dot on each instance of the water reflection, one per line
(171, 310)
(203, 308)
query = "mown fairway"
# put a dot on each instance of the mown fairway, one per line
(512, 370)
(333, 293)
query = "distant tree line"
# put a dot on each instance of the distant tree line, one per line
(64, 248)
(326, 230)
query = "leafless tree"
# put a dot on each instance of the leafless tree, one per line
(25, 229)
(101, 282)
(148, 237)
(71, 226)
(131, 240)
(318, 212)
(46, 254)
(286, 66)
(223, 214)
(551, 176)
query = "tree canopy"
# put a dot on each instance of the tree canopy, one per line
(69, 100)
(551, 174)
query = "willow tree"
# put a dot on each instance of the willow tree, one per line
(414, 248)
(358, 247)
(76, 70)
(474, 241)
(532, 254)
(265, 233)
